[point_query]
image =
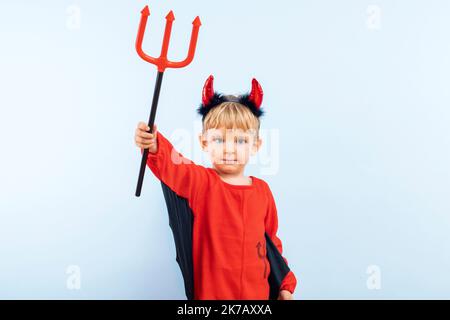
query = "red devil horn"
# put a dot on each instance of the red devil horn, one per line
(208, 90)
(256, 96)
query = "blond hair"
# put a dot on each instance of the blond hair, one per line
(231, 115)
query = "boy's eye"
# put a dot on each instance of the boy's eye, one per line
(218, 140)
(242, 140)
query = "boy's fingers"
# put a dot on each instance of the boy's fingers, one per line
(144, 140)
(141, 140)
(143, 126)
(144, 134)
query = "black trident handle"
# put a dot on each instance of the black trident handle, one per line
(151, 121)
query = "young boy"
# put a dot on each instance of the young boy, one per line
(232, 212)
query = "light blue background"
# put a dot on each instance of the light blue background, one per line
(362, 115)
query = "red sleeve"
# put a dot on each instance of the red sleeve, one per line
(271, 222)
(180, 174)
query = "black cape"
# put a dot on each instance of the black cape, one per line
(181, 221)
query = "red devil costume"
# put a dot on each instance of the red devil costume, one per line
(225, 234)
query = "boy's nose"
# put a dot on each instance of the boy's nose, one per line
(229, 146)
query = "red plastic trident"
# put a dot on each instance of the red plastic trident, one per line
(162, 63)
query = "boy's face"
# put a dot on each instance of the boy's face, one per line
(230, 149)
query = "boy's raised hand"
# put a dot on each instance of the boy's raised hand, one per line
(144, 139)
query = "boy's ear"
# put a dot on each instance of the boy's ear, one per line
(256, 146)
(203, 142)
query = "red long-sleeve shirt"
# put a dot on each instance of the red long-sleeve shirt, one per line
(229, 248)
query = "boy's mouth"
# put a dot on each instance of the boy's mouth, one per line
(225, 161)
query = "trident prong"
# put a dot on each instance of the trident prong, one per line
(162, 63)
(144, 16)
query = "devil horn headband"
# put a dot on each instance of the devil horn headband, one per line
(211, 99)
